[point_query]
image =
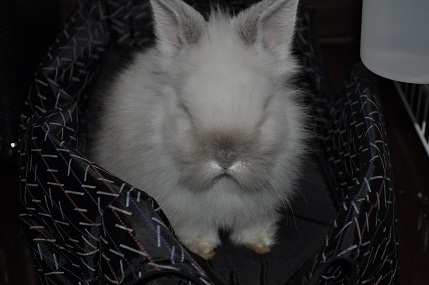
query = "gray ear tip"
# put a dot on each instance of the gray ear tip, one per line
(176, 24)
(268, 24)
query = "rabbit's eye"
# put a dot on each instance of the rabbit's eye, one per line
(268, 101)
(185, 109)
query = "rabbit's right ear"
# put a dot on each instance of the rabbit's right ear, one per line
(271, 25)
(176, 25)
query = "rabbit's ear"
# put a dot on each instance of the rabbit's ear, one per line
(270, 24)
(176, 24)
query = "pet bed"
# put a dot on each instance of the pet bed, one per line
(86, 226)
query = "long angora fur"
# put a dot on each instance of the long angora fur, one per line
(208, 122)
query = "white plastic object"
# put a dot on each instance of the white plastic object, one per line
(395, 39)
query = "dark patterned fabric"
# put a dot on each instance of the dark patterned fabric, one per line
(86, 226)
(362, 245)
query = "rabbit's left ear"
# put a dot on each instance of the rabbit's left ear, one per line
(176, 24)
(271, 24)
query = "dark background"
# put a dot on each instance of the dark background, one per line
(27, 27)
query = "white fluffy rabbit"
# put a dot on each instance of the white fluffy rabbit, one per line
(209, 124)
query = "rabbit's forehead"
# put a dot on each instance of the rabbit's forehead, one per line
(228, 84)
(224, 83)
(226, 96)
(225, 77)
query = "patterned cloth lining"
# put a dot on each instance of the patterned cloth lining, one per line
(88, 227)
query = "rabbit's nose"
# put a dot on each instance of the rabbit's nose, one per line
(225, 159)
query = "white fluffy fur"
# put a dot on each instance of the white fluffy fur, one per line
(210, 98)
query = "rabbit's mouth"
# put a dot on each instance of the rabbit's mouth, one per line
(225, 176)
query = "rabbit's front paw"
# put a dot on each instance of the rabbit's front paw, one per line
(259, 237)
(201, 244)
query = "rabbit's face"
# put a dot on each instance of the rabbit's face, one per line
(229, 116)
(227, 124)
